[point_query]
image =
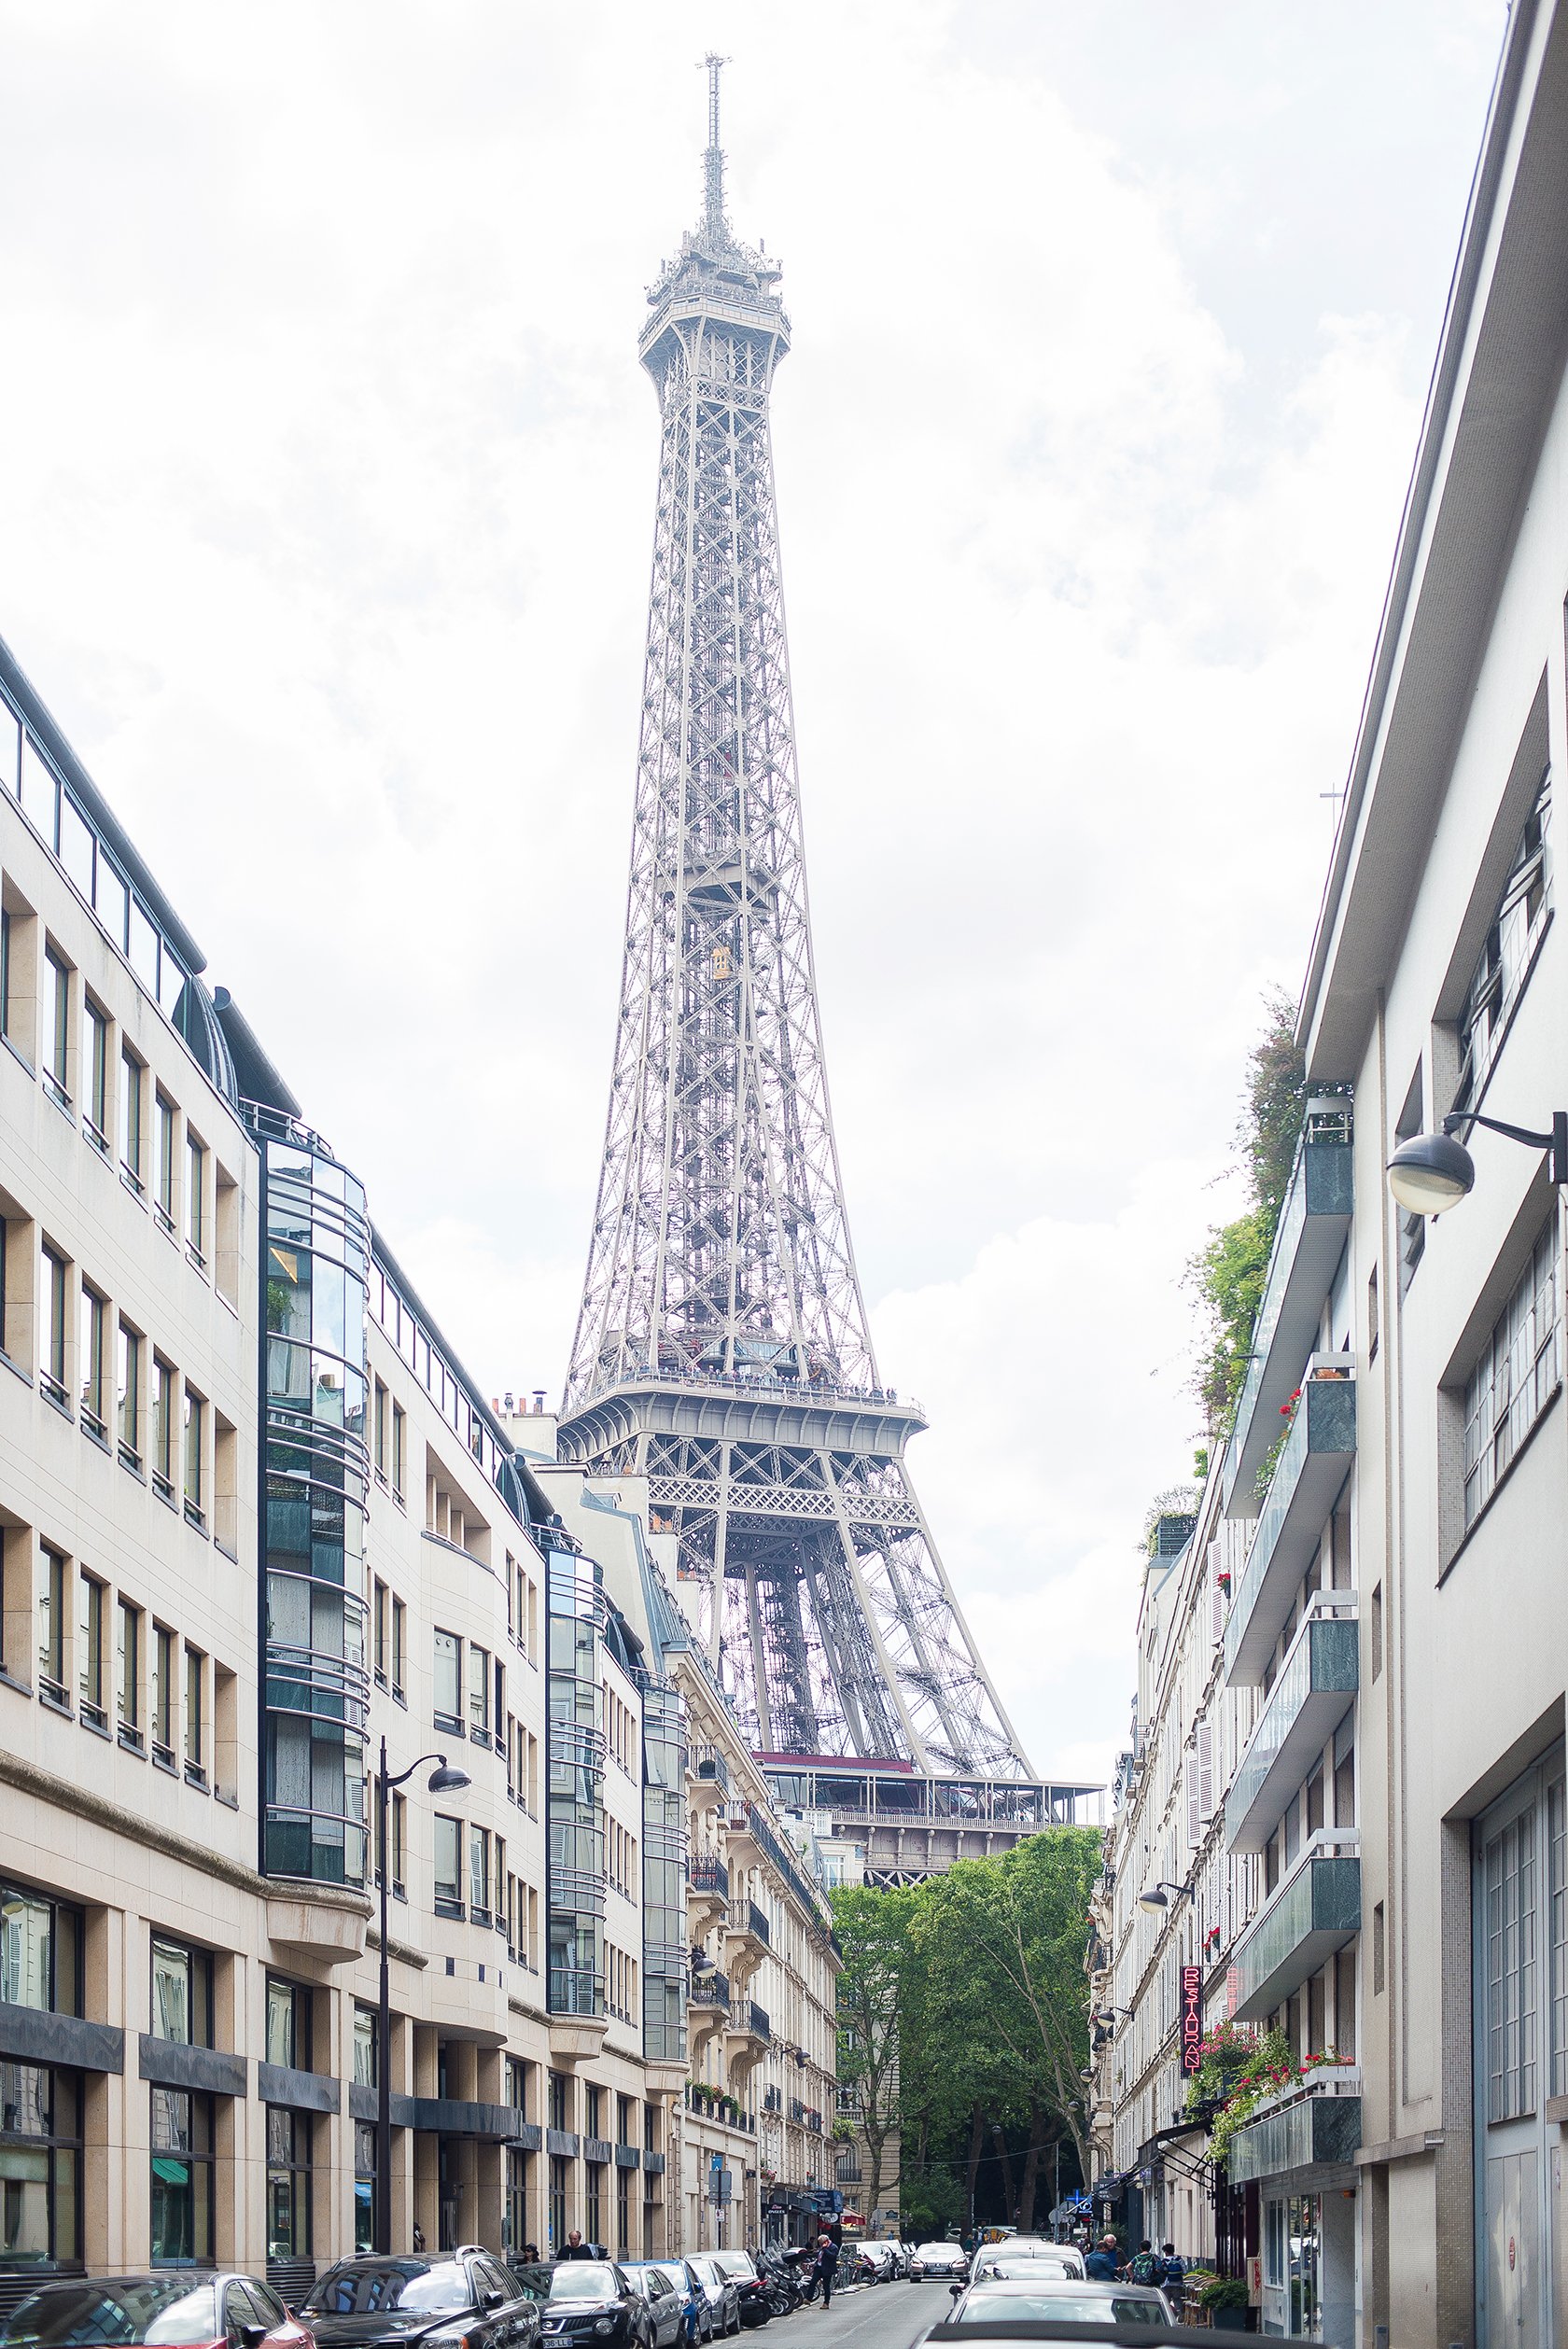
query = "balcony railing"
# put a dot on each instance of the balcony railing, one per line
(1321, 2125)
(709, 1989)
(708, 1873)
(1311, 1469)
(748, 2016)
(709, 1764)
(1306, 1705)
(1314, 1223)
(746, 1917)
(1316, 1911)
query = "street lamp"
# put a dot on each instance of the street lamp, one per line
(442, 1781)
(1433, 1172)
(1158, 1895)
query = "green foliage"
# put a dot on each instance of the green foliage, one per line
(872, 1930)
(1226, 1275)
(1224, 2291)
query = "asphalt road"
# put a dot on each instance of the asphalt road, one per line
(868, 2316)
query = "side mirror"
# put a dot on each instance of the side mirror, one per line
(954, 2291)
(491, 2298)
(252, 2336)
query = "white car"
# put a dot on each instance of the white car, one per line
(884, 2255)
(1051, 2259)
(939, 2259)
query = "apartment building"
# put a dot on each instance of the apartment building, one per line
(263, 1536)
(1439, 984)
(746, 1995)
(1231, 1892)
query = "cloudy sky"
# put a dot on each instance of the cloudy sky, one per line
(324, 517)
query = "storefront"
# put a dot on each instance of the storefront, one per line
(1301, 2155)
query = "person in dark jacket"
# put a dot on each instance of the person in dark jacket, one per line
(827, 2262)
(1100, 2265)
(575, 2248)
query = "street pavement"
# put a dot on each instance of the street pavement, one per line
(865, 2316)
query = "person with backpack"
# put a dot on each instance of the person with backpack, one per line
(1145, 2268)
(1173, 2268)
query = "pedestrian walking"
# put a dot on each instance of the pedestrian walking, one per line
(1145, 2268)
(827, 2262)
(1174, 2268)
(575, 2248)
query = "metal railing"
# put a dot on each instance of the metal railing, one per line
(746, 1917)
(709, 1989)
(708, 1873)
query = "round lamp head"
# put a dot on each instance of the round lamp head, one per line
(1430, 1173)
(1158, 1898)
(448, 1781)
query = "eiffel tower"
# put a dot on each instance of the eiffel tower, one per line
(723, 1350)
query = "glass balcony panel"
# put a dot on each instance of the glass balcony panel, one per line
(1306, 1705)
(1318, 2132)
(1303, 1489)
(1313, 1224)
(1316, 1911)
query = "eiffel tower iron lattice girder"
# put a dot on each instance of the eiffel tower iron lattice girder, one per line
(723, 1349)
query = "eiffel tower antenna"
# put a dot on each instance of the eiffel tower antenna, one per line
(723, 1350)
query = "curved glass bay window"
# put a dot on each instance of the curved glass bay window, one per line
(663, 1874)
(317, 1475)
(576, 1602)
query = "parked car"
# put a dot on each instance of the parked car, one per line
(946, 2260)
(196, 2312)
(751, 2286)
(693, 2300)
(533, 2277)
(666, 2305)
(723, 2301)
(1059, 2299)
(1057, 2259)
(445, 2298)
(596, 2299)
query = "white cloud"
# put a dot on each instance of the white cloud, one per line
(324, 526)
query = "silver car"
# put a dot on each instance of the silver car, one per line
(722, 2297)
(1051, 2259)
(1058, 2299)
(939, 2259)
(666, 2305)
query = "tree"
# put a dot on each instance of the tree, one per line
(872, 1930)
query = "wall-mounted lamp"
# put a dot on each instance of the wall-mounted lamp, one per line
(1432, 1172)
(1158, 1895)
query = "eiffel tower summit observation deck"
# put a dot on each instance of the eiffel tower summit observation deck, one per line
(723, 1351)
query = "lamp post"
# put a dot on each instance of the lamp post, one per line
(1433, 1172)
(1158, 1895)
(441, 1781)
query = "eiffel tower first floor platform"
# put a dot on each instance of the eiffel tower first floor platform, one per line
(804, 1563)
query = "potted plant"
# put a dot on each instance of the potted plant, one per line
(1225, 2299)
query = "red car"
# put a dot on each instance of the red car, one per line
(173, 2309)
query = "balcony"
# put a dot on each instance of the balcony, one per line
(707, 1892)
(707, 1779)
(746, 1938)
(1315, 1911)
(748, 2036)
(1313, 1224)
(1319, 2129)
(1311, 1469)
(1319, 1677)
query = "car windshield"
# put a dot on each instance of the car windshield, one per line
(164, 2309)
(733, 2263)
(1062, 2306)
(373, 2286)
(674, 2275)
(706, 2271)
(582, 2280)
(938, 2251)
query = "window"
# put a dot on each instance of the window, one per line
(194, 1513)
(479, 1692)
(57, 1011)
(162, 1430)
(51, 1626)
(364, 2184)
(91, 1320)
(182, 2178)
(400, 1448)
(89, 1652)
(128, 1673)
(164, 1172)
(195, 1717)
(40, 1952)
(449, 1680)
(1506, 958)
(382, 1417)
(1379, 1960)
(365, 2021)
(380, 1611)
(1512, 1990)
(95, 1107)
(479, 1875)
(181, 1994)
(162, 1697)
(51, 1350)
(1557, 1929)
(131, 1076)
(399, 1630)
(1518, 1371)
(195, 1200)
(6, 972)
(40, 2164)
(1411, 1228)
(514, 2217)
(449, 1866)
(289, 2024)
(127, 1389)
(288, 2194)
